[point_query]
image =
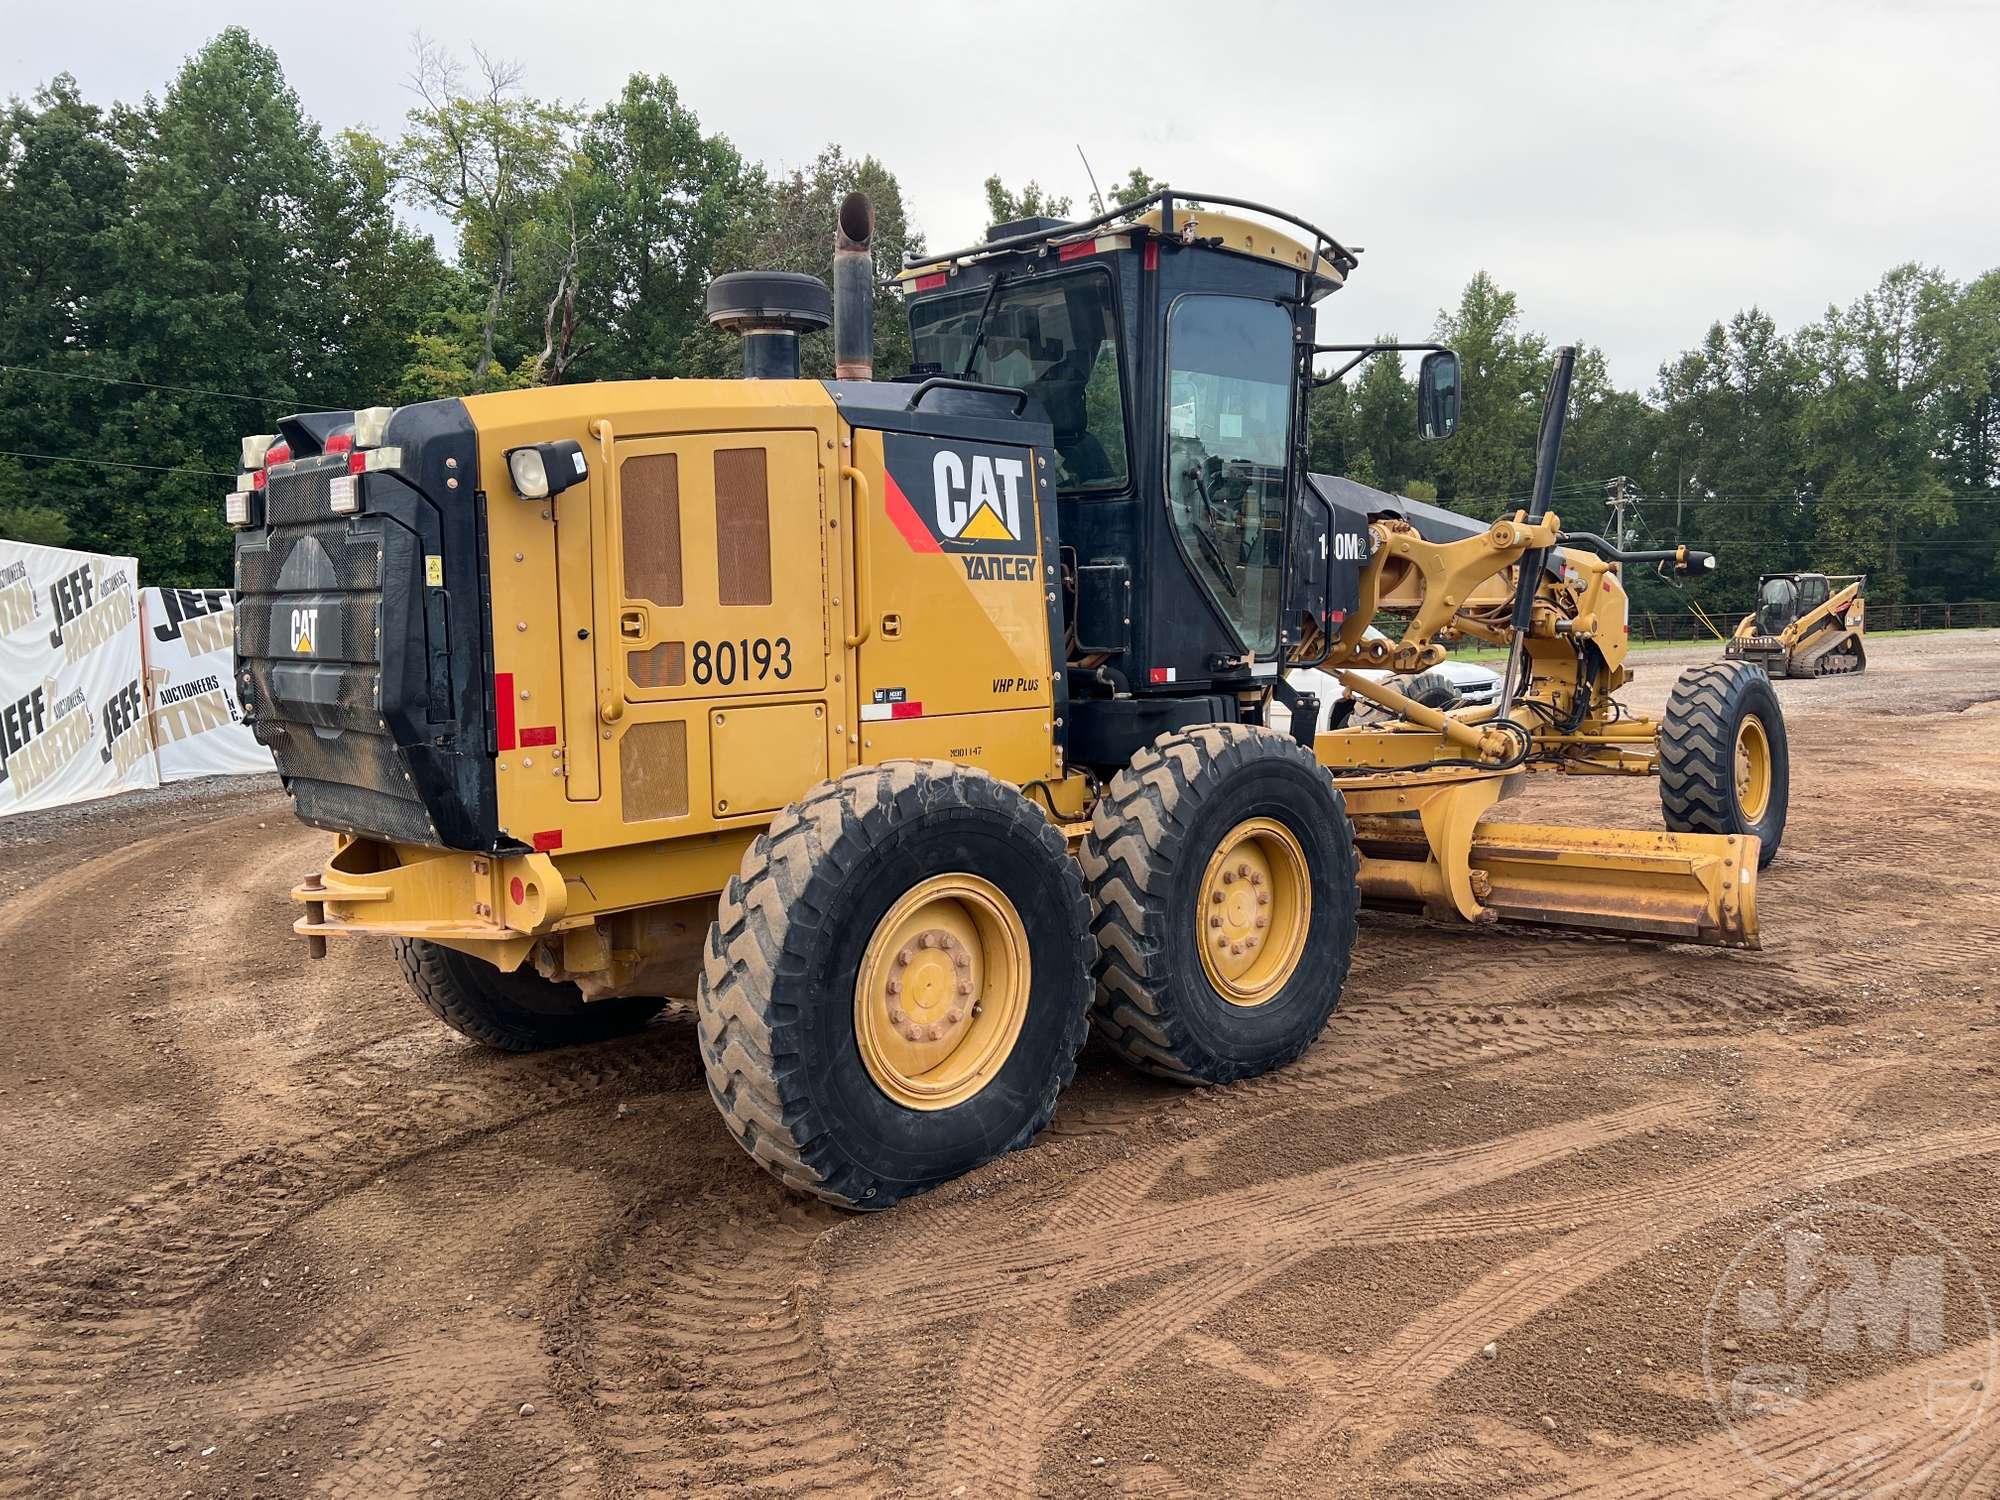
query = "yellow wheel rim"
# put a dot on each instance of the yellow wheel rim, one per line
(942, 992)
(1253, 910)
(1753, 769)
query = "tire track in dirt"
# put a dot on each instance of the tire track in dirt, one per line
(701, 1364)
(1925, 1459)
(1234, 1242)
(76, 1313)
(1403, 1372)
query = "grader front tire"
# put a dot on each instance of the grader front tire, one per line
(1198, 979)
(517, 1012)
(896, 983)
(1724, 763)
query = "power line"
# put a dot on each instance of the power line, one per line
(112, 463)
(150, 385)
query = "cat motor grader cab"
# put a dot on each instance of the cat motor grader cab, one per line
(1805, 625)
(910, 725)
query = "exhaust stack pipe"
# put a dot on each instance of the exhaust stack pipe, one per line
(770, 309)
(854, 290)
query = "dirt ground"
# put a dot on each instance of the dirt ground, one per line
(268, 1230)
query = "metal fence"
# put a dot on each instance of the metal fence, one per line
(1967, 616)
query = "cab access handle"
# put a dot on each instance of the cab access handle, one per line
(953, 383)
(857, 546)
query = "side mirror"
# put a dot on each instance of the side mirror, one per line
(1437, 395)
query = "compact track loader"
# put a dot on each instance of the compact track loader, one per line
(1805, 625)
(911, 726)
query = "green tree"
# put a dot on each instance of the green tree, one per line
(486, 158)
(1003, 205)
(1872, 443)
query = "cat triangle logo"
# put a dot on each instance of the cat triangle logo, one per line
(986, 526)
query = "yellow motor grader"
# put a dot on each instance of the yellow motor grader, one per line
(910, 726)
(1804, 625)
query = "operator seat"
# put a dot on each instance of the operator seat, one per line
(1062, 392)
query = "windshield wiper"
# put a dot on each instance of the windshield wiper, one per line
(979, 328)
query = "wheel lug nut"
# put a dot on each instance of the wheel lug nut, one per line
(1221, 942)
(953, 1016)
(1215, 898)
(1255, 878)
(1215, 921)
(965, 987)
(937, 1033)
(894, 986)
(1263, 921)
(1263, 898)
(1244, 869)
(904, 957)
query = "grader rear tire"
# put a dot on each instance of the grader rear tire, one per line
(517, 1012)
(896, 983)
(1222, 871)
(1724, 764)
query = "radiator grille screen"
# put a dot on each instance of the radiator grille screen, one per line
(742, 527)
(653, 765)
(664, 666)
(650, 496)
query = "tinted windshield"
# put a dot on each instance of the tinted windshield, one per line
(1057, 339)
(1229, 402)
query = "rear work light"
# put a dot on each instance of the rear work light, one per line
(371, 424)
(254, 449)
(343, 494)
(236, 509)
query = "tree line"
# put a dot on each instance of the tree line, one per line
(185, 269)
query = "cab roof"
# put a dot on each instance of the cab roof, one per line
(1190, 218)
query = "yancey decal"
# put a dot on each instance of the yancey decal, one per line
(971, 500)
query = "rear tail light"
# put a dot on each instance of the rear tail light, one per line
(277, 453)
(378, 458)
(344, 495)
(236, 508)
(340, 442)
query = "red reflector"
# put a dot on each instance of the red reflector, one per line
(539, 734)
(1158, 674)
(547, 839)
(277, 453)
(517, 890)
(1152, 255)
(503, 710)
(906, 710)
(340, 442)
(257, 480)
(928, 283)
(1335, 616)
(357, 463)
(1077, 251)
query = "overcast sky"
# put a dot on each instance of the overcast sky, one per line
(1631, 171)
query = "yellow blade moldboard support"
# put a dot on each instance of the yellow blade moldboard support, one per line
(1683, 887)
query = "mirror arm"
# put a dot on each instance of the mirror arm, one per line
(1366, 351)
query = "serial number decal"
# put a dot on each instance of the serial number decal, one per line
(754, 658)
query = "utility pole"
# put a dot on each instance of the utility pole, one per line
(1618, 504)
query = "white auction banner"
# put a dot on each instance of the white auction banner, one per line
(198, 727)
(72, 684)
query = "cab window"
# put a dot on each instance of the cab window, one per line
(1057, 339)
(1229, 406)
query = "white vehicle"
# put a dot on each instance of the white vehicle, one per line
(1450, 684)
